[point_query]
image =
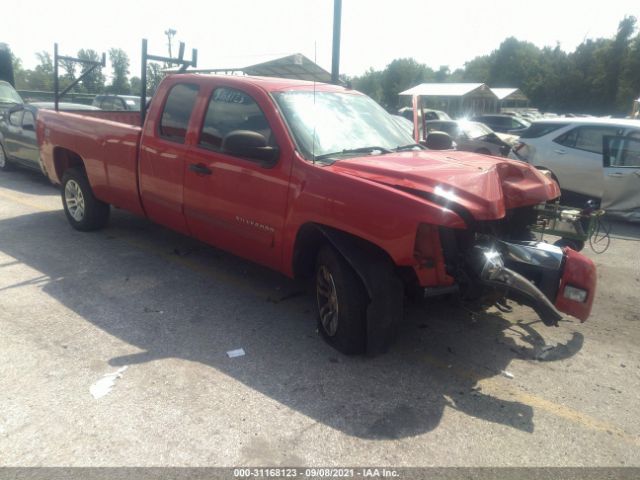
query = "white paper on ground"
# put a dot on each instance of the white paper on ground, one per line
(238, 352)
(105, 384)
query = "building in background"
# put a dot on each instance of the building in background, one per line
(511, 99)
(457, 99)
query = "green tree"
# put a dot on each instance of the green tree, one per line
(154, 77)
(629, 86)
(7, 64)
(94, 82)
(120, 67)
(67, 73)
(370, 83)
(41, 77)
(402, 74)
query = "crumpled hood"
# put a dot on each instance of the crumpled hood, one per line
(485, 186)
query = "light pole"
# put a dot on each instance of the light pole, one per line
(170, 34)
(335, 60)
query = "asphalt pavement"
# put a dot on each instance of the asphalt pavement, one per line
(113, 351)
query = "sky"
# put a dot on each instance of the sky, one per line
(236, 33)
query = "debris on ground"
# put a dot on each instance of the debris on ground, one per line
(106, 383)
(507, 374)
(238, 352)
(152, 310)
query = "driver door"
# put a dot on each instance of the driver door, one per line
(234, 202)
(621, 161)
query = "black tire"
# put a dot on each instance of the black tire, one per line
(483, 151)
(5, 165)
(349, 333)
(83, 210)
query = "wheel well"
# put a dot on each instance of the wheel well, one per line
(311, 237)
(309, 240)
(375, 268)
(64, 159)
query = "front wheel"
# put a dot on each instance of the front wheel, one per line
(342, 303)
(83, 210)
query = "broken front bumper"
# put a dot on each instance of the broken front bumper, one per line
(547, 278)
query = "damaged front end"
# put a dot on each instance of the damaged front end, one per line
(490, 270)
(487, 264)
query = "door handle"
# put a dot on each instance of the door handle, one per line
(615, 174)
(200, 168)
(560, 152)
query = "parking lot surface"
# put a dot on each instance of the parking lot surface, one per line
(457, 389)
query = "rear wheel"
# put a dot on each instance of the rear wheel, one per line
(5, 166)
(83, 210)
(342, 303)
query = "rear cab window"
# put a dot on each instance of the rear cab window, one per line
(177, 112)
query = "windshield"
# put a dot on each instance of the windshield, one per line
(328, 123)
(474, 129)
(8, 94)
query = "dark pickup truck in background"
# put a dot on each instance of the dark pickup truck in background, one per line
(316, 180)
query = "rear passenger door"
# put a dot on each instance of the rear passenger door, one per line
(576, 159)
(162, 156)
(231, 201)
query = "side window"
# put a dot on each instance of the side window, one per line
(230, 109)
(624, 152)
(28, 121)
(590, 138)
(15, 118)
(118, 104)
(107, 104)
(177, 111)
(568, 139)
(433, 126)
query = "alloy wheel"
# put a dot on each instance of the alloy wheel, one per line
(74, 199)
(327, 296)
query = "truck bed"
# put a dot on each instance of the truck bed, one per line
(108, 143)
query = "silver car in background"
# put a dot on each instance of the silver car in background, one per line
(474, 136)
(593, 157)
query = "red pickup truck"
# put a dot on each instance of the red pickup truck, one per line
(317, 180)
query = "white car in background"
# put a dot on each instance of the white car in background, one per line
(593, 157)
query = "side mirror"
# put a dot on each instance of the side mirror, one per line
(251, 145)
(438, 141)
